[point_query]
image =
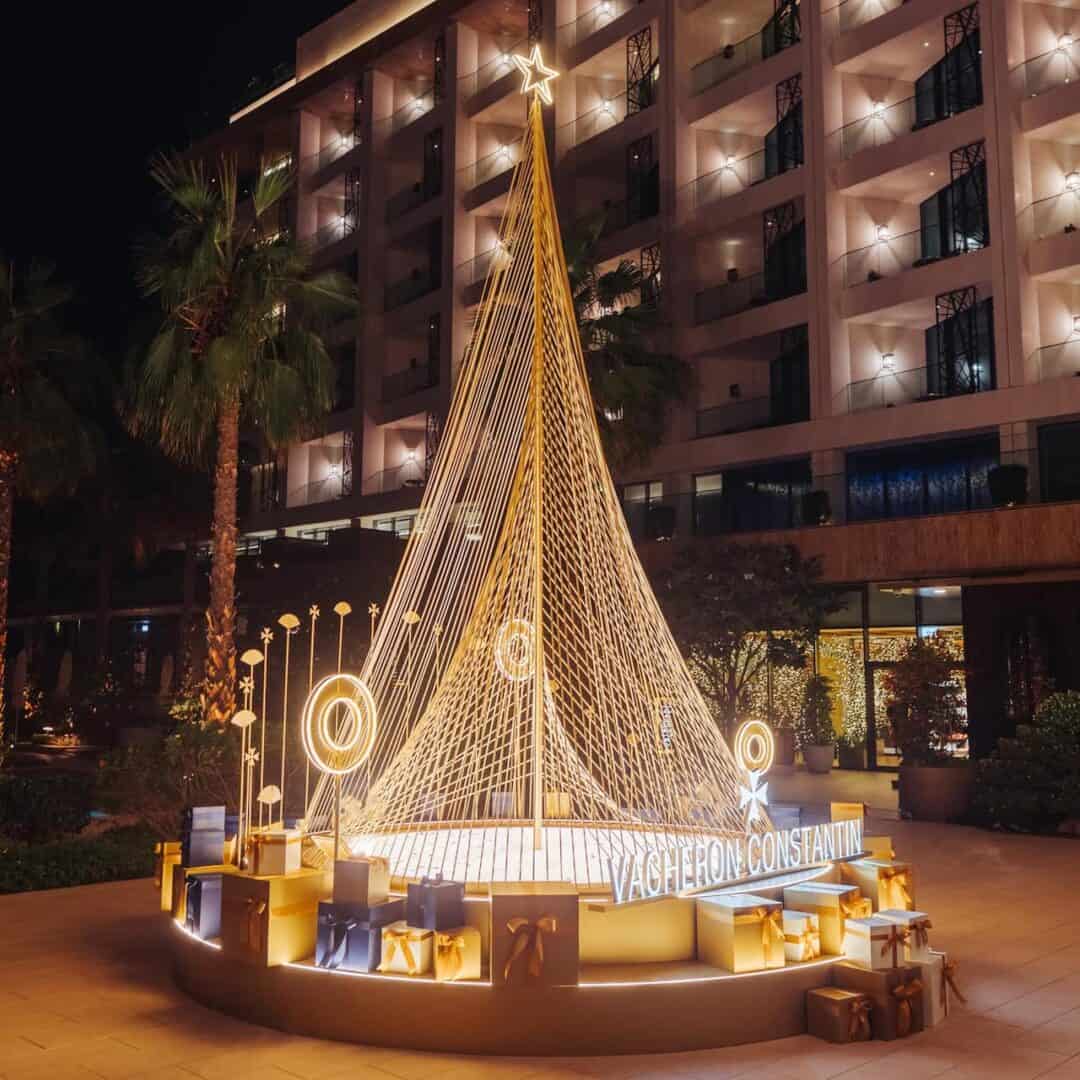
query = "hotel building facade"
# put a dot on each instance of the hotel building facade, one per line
(860, 221)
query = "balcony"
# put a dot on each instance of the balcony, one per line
(408, 475)
(742, 293)
(1058, 361)
(1054, 215)
(851, 13)
(332, 232)
(336, 485)
(735, 175)
(490, 165)
(406, 115)
(491, 72)
(418, 283)
(891, 255)
(781, 32)
(415, 195)
(577, 30)
(344, 144)
(412, 380)
(892, 388)
(608, 114)
(1052, 69)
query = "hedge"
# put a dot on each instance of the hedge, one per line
(117, 855)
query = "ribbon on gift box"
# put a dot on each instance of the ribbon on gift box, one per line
(919, 929)
(896, 880)
(948, 982)
(772, 926)
(809, 941)
(256, 909)
(528, 940)
(859, 908)
(859, 1017)
(340, 925)
(450, 952)
(192, 898)
(897, 937)
(394, 939)
(905, 993)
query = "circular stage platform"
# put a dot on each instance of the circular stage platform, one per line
(639, 1008)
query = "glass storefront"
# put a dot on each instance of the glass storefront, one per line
(855, 651)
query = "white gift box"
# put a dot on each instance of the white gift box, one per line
(802, 936)
(873, 943)
(407, 950)
(276, 851)
(885, 882)
(917, 923)
(936, 991)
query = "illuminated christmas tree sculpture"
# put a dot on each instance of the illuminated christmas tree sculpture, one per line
(535, 717)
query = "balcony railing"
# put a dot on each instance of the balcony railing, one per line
(781, 32)
(891, 388)
(1058, 361)
(611, 111)
(319, 491)
(490, 165)
(884, 124)
(418, 283)
(596, 18)
(623, 213)
(734, 416)
(851, 13)
(342, 145)
(1052, 215)
(400, 203)
(401, 384)
(740, 294)
(409, 474)
(892, 255)
(491, 72)
(419, 106)
(332, 232)
(478, 267)
(735, 175)
(1050, 70)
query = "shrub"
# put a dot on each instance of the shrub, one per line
(817, 725)
(1032, 781)
(113, 856)
(35, 807)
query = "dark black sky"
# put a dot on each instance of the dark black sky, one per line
(89, 92)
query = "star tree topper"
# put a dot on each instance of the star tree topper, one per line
(536, 75)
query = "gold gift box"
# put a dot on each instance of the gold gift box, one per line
(407, 950)
(740, 932)
(275, 851)
(178, 899)
(534, 933)
(272, 920)
(362, 879)
(166, 856)
(878, 847)
(457, 954)
(656, 932)
(802, 936)
(886, 883)
(833, 904)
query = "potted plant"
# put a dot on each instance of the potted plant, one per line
(819, 736)
(850, 751)
(925, 699)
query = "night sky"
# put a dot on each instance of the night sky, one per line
(90, 92)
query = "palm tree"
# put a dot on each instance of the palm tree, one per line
(633, 384)
(45, 445)
(239, 344)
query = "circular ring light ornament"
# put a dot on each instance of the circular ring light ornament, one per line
(339, 724)
(514, 649)
(754, 746)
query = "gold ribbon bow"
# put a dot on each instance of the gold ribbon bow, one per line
(905, 993)
(528, 937)
(895, 879)
(809, 940)
(859, 908)
(397, 939)
(898, 935)
(256, 909)
(919, 930)
(859, 1017)
(948, 982)
(772, 926)
(450, 951)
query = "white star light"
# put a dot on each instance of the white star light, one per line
(536, 75)
(754, 797)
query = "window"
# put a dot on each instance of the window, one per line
(758, 497)
(960, 346)
(1059, 461)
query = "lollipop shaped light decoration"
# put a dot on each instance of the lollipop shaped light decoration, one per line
(290, 623)
(338, 729)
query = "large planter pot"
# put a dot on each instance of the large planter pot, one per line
(1008, 485)
(784, 747)
(816, 508)
(936, 792)
(852, 757)
(819, 759)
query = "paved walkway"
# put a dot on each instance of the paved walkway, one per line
(86, 991)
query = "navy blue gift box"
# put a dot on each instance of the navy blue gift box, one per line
(349, 936)
(435, 904)
(203, 903)
(202, 847)
(203, 817)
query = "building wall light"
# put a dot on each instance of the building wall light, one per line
(877, 110)
(1072, 181)
(1065, 42)
(888, 362)
(1076, 324)
(729, 161)
(883, 234)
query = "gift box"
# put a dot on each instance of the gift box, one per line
(275, 851)
(740, 932)
(272, 920)
(178, 901)
(406, 950)
(937, 973)
(878, 847)
(896, 994)
(202, 903)
(917, 924)
(435, 904)
(802, 936)
(838, 1016)
(874, 943)
(202, 847)
(166, 856)
(662, 931)
(534, 933)
(363, 879)
(346, 938)
(884, 882)
(457, 954)
(203, 817)
(847, 811)
(832, 904)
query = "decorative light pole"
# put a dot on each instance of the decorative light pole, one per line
(291, 624)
